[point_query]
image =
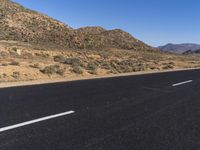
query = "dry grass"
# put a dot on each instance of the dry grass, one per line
(28, 63)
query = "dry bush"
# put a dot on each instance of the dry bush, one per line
(77, 70)
(14, 63)
(53, 69)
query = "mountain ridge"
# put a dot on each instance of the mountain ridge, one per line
(180, 48)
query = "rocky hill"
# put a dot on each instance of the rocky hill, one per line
(21, 24)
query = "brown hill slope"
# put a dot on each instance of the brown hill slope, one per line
(21, 24)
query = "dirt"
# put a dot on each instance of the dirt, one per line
(22, 62)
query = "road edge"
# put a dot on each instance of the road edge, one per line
(52, 81)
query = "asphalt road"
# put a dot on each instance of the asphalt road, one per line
(144, 112)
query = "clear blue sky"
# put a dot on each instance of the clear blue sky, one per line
(156, 22)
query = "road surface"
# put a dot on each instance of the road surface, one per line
(144, 112)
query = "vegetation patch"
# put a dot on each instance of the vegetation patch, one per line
(74, 62)
(53, 69)
(14, 63)
(59, 58)
(16, 75)
(92, 66)
(77, 70)
(168, 66)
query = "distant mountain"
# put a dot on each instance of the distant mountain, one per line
(180, 48)
(21, 24)
(192, 52)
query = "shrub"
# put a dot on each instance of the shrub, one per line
(59, 58)
(53, 69)
(94, 72)
(14, 63)
(171, 63)
(92, 66)
(77, 70)
(16, 75)
(153, 68)
(35, 66)
(168, 66)
(73, 61)
(3, 53)
(14, 48)
(4, 64)
(45, 55)
(106, 65)
(27, 55)
(4, 75)
(61, 72)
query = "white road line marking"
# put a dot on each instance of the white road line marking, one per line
(35, 121)
(181, 83)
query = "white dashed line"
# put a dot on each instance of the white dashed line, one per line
(35, 121)
(181, 83)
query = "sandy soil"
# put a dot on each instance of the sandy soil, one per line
(26, 64)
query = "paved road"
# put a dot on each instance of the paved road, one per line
(144, 112)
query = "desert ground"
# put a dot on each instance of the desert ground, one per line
(25, 62)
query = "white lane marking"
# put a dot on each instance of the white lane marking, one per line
(35, 121)
(181, 83)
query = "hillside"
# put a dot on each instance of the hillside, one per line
(21, 24)
(179, 48)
